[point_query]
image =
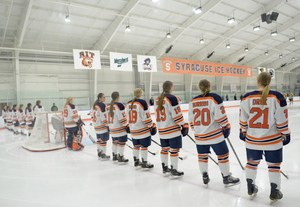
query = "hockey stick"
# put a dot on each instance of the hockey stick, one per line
(284, 174)
(235, 153)
(181, 158)
(208, 155)
(91, 138)
(152, 153)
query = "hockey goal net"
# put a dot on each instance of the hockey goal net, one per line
(48, 133)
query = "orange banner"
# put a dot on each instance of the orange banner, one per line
(171, 65)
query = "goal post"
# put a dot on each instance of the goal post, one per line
(48, 133)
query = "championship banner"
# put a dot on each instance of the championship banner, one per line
(86, 59)
(171, 65)
(146, 63)
(272, 72)
(120, 61)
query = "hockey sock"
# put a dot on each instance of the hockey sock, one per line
(224, 164)
(121, 148)
(251, 169)
(103, 146)
(203, 162)
(136, 151)
(164, 155)
(174, 153)
(144, 153)
(274, 173)
(98, 142)
(115, 145)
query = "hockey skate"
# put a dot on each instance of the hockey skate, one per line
(23, 134)
(16, 133)
(275, 193)
(252, 189)
(137, 163)
(230, 181)
(104, 157)
(175, 174)
(166, 170)
(115, 158)
(205, 178)
(122, 160)
(146, 165)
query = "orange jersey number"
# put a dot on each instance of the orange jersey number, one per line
(205, 117)
(94, 117)
(110, 119)
(161, 115)
(132, 116)
(66, 113)
(259, 112)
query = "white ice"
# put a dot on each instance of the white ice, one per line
(70, 178)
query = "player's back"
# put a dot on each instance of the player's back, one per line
(264, 124)
(139, 118)
(118, 121)
(70, 116)
(99, 115)
(207, 116)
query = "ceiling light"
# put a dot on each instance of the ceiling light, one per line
(197, 10)
(228, 45)
(280, 56)
(292, 39)
(231, 20)
(201, 41)
(246, 49)
(127, 28)
(293, 58)
(67, 19)
(266, 53)
(168, 35)
(256, 28)
(273, 33)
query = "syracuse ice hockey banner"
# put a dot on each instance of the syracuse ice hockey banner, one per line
(171, 65)
(147, 63)
(86, 59)
(120, 61)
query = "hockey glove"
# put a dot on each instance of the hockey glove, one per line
(226, 130)
(153, 129)
(80, 123)
(286, 138)
(185, 129)
(128, 129)
(242, 135)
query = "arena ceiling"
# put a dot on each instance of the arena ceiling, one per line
(39, 27)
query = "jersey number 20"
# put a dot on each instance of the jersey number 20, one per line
(205, 117)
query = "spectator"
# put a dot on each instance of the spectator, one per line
(227, 97)
(151, 101)
(54, 108)
(234, 96)
(241, 97)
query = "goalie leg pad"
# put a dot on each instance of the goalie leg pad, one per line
(72, 132)
(77, 140)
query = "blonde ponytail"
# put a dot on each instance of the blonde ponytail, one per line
(204, 86)
(68, 101)
(167, 85)
(264, 79)
(114, 96)
(137, 94)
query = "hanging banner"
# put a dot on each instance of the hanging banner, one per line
(272, 72)
(146, 63)
(120, 61)
(86, 59)
(171, 65)
(233, 88)
(261, 69)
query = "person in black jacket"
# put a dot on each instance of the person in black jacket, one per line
(151, 101)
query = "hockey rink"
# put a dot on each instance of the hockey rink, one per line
(78, 178)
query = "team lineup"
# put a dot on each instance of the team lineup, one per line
(263, 127)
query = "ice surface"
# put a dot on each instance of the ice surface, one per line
(70, 178)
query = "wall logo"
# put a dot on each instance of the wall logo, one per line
(120, 61)
(147, 64)
(88, 58)
(168, 64)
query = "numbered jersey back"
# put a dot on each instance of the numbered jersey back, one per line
(118, 121)
(206, 116)
(99, 118)
(170, 118)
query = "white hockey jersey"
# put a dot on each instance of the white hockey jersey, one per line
(14, 115)
(264, 124)
(4, 114)
(29, 116)
(207, 116)
(70, 116)
(38, 109)
(170, 119)
(99, 118)
(21, 116)
(118, 122)
(139, 119)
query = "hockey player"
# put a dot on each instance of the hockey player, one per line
(291, 97)
(118, 125)
(4, 110)
(170, 123)
(38, 108)
(15, 119)
(9, 118)
(29, 118)
(22, 119)
(141, 128)
(73, 124)
(208, 119)
(264, 128)
(99, 119)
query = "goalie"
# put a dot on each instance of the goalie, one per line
(73, 124)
